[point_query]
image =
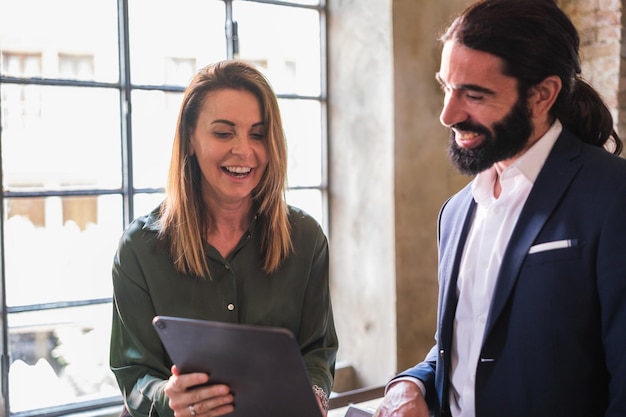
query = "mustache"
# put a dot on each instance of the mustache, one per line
(467, 126)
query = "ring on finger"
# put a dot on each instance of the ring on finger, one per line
(192, 410)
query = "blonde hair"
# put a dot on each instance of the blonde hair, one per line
(183, 217)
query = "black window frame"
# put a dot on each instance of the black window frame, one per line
(111, 406)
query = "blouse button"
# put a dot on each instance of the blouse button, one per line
(231, 307)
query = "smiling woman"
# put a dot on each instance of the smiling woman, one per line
(223, 246)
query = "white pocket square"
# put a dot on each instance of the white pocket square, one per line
(557, 244)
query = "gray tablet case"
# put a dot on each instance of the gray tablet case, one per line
(262, 365)
(356, 411)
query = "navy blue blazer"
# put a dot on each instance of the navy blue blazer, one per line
(555, 338)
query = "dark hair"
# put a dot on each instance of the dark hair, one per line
(535, 39)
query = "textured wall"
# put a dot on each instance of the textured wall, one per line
(361, 233)
(423, 177)
(599, 26)
(389, 176)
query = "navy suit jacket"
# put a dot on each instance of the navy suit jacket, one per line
(555, 338)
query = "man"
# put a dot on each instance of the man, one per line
(532, 253)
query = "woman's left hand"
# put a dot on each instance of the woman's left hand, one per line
(204, 400)
(322, 408)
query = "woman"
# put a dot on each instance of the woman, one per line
(223, 246)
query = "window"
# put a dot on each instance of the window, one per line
(89, 100)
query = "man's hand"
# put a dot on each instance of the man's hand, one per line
(403, 399)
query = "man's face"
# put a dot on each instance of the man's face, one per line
(489, 121)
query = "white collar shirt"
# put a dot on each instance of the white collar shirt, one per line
(492, 225)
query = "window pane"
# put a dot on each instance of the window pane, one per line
(310, 201)
(168, 44)
(60, 357)
(284, 42)
(154, 125)
(60, 137)
(145, 203)
(301, 120)
(62, 31)
(61, 247)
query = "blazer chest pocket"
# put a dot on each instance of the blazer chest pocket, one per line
(554, 251)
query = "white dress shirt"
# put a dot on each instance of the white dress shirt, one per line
(493, 223)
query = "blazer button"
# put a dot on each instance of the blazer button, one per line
(230, 307)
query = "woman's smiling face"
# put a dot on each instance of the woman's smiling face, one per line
(229, 142)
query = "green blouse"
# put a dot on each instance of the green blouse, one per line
(296, 296)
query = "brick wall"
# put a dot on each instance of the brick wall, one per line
(599, 23)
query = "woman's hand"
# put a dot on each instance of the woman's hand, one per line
(205, 401)
(321, 405)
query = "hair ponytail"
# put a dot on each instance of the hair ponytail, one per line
(588, 117)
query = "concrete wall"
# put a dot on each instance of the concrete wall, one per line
(423, 176)
(389, 175)
(361, 163)
(389, 171)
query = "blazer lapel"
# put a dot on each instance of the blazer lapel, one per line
(451, 244)
(557, 173)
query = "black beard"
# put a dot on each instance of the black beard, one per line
(511, 134)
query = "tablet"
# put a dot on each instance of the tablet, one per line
(262, 365)
(356, 411)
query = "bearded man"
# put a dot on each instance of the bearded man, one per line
(532, 253)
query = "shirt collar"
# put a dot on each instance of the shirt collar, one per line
(528, 165)
(531, 161)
